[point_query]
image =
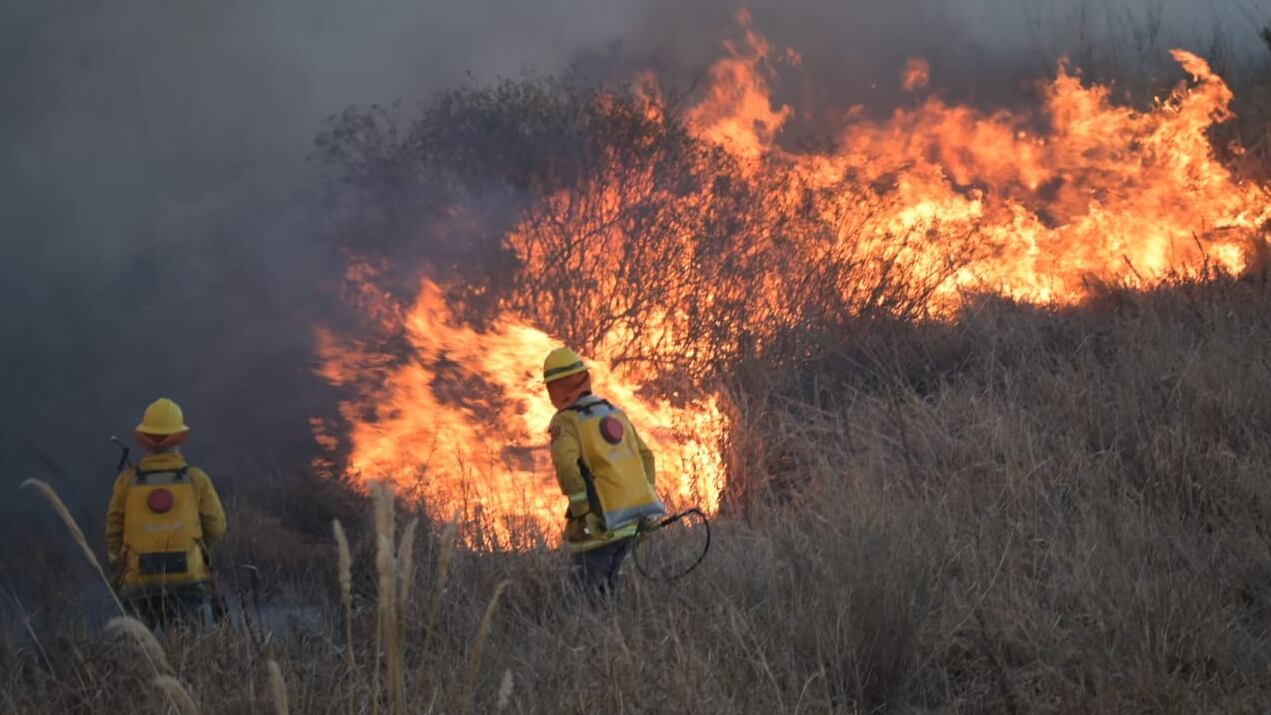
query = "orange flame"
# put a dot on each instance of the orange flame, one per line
(1033, 206)
(1109, 192)
(736, 111)
(463, 423)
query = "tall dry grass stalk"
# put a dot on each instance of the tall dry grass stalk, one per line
(406, 577)
(478, 648)
(76, 533)
(387, 609)
(434, 605)
(277, 688)
(131, 628)
(386, 566)
(505, 690)
(344, 564)
(137, 632)
(406, 565)
(375, 664)
(177, 693)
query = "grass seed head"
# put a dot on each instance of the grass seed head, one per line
(60, 507)
(177, 693)
(405, 562)
(137, 632)
(344, 563)
(277, 687)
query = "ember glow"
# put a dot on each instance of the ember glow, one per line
(1036, 206)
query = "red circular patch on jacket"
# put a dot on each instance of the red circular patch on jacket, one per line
(611, 430)
(160, 501)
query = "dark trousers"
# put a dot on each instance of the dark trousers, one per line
(596, 572)
(160, 607)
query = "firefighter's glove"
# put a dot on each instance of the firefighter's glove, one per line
(575, 530)
(595, 526)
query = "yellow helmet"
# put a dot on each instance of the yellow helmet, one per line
(562, 362)
(163, 417)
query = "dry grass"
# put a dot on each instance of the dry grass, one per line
(1019, 512)
(176, 692)
(143, 637)
(77, 534)
(386, 566)
(447, 551)
(505, 691)
(478, 649)
(405, 565)
(277, 688)
(344, 564)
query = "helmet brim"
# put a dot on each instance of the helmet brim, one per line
(562, 373)
(144, 428)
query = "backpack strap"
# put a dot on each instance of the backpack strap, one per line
(139, 477)
(589, 483)
(586, 409)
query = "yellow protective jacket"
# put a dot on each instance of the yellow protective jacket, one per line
(163, 519)
(606, 471)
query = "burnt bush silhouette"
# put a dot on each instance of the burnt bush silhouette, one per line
(591, 211)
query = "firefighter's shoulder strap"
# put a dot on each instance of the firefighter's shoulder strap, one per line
(585, 409)
(161, 476)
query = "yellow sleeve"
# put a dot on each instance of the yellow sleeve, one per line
(211, 513)
(566, 452)
(115, 515)
(646, 456)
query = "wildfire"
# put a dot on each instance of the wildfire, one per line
(462, 424)
(1033, 206)
(1106, 192)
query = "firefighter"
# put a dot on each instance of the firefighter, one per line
(163, 520)
(603, 468)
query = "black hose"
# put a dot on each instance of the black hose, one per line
(706, 524)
